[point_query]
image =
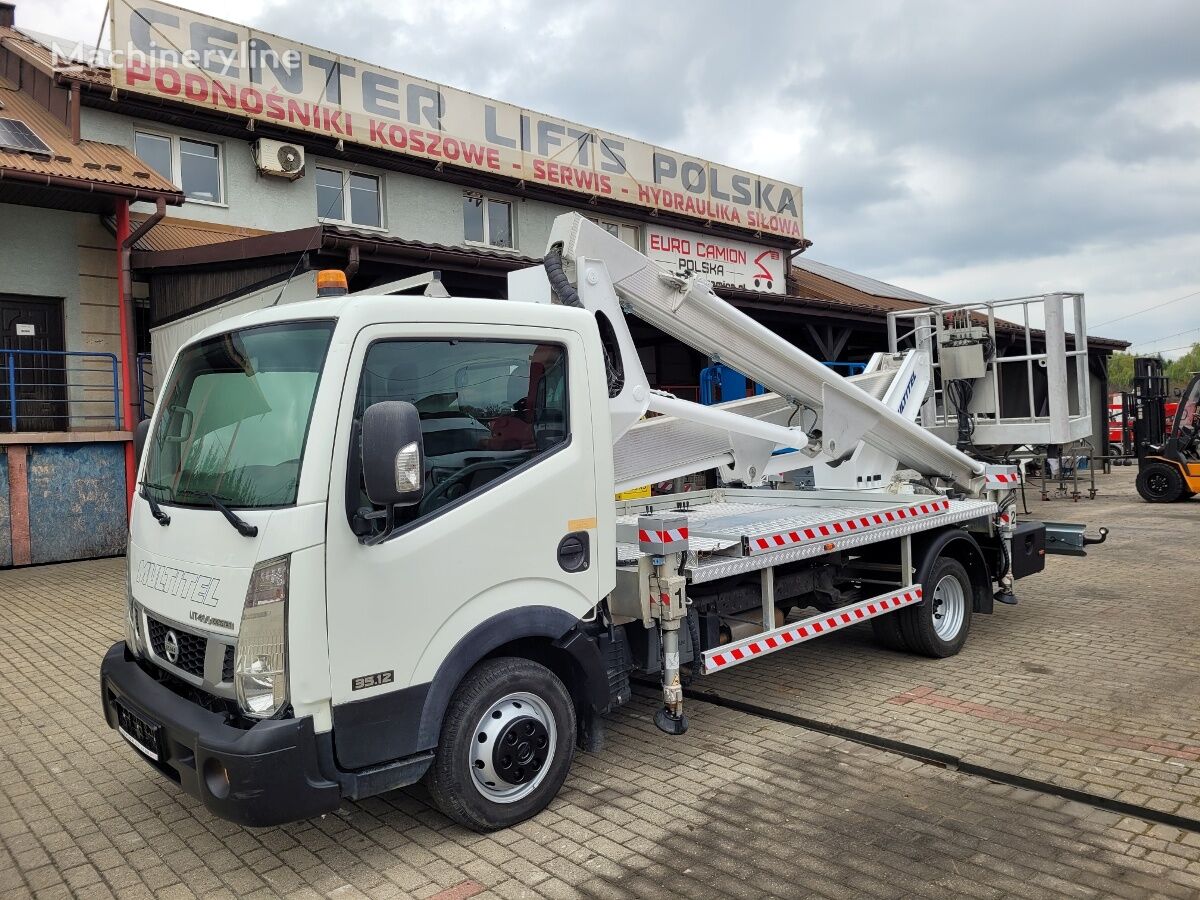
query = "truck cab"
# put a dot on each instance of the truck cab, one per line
(292, 636)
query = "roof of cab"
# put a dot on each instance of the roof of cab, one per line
(359, 311)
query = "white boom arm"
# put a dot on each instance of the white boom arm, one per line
(687, 308)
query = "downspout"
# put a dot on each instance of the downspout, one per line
(352, 263)
(125, 243)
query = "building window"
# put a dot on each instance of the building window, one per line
(193, 165)
(155, 151)
(630, 234)
(487, 220)
(339, 192)
(200, 170)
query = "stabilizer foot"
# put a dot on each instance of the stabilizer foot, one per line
(670, 724)
(1006, 597)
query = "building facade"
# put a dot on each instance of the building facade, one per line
(211, 188)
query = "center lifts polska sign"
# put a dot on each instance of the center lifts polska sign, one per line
(180, 55)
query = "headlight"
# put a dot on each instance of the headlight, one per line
(260, 673)
(133, 634)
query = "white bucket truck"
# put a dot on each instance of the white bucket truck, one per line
(374, 537)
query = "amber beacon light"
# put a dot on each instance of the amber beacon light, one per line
(332, 283)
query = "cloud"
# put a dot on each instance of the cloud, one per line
(1016, 143)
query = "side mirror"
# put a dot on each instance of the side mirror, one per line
(393, 454)
(140, 433)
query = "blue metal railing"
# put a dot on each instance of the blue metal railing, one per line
(54, 388)
(145, 385)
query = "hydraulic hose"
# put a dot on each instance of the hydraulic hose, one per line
(562, 288)
(560, 285)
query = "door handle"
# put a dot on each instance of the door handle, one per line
(574, 552)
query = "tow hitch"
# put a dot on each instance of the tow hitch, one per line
(1068, 539)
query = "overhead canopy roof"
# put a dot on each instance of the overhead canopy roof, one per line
(822, 279)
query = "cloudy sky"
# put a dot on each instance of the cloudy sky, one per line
(967, 151)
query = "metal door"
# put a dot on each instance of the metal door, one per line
(32, 379)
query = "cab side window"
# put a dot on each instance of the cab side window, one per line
(487, 407)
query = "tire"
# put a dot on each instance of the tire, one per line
(513, 703)
(938, 626)
(888, 632)
(1160, 483)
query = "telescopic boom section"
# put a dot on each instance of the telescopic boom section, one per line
(687, 308)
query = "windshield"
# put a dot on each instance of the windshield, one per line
(234, 417)
(1187, 420)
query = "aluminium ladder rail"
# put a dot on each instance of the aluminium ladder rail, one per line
(735, 531)
(689, 310)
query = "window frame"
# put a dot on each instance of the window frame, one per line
(346, 206)
(176, 176)
(512, 221)
(538, 457)
(604, 221)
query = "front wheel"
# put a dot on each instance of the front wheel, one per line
(506, 745)
(938, 626)
(1160, 483)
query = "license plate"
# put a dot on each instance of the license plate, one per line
(143, 734)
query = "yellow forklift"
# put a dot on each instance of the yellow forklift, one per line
(1168, 461)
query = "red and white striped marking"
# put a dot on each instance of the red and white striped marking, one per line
(807, 629)
(662, 537)
(995, 481)
(844, 527)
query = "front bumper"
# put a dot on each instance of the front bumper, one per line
(264, 775)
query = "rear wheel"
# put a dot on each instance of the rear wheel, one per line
(1160, 483)
(506, 745)
(939, 625)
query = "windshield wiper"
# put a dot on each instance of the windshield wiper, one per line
(244, 528)
(155, 510)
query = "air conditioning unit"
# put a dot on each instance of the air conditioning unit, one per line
(279, 159)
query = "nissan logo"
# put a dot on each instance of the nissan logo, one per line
(171, 647)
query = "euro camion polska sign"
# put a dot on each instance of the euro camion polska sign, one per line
(180, 55)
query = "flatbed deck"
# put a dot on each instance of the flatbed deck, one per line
(733, 531)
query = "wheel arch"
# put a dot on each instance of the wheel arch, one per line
(958, 544)
(408, 721)
(542, 634)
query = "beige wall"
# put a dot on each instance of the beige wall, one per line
(72, 258)
(99, 318)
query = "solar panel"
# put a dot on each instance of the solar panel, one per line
(16, 135)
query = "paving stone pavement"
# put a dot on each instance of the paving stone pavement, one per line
(1092, 682)
(738, 807)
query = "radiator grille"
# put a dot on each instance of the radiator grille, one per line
(191, 647)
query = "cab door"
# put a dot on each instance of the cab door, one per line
(509, 473)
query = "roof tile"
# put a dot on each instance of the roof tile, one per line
(88, 161)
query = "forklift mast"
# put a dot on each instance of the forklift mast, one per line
(1150, 392)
